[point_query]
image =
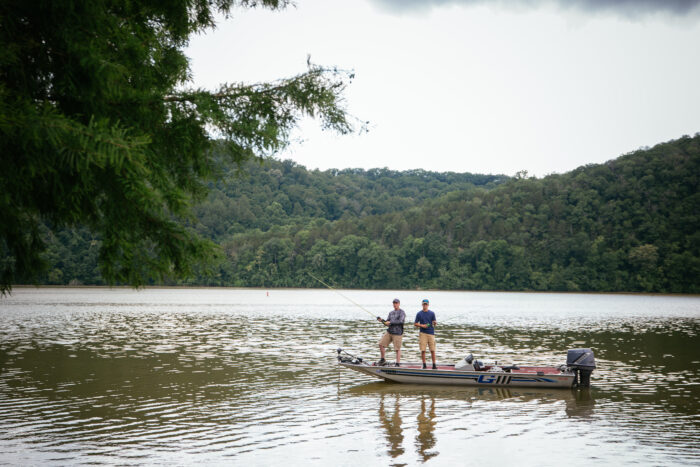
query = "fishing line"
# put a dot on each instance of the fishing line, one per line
(346, 298)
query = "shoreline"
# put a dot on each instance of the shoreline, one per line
(214, 287)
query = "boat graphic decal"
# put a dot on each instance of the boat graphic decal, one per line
(494, 379)
(498, 379)
(534, 379)
(429, 374)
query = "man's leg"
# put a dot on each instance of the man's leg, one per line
(383, 343)
(422, 343)
(396, 340)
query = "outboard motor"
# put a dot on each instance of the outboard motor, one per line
(582, 362)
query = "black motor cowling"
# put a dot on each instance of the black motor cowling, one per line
(582, 362)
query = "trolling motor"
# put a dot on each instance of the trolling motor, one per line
(348, 358)
(582, 363)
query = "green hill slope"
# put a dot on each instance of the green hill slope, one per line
(631, 224)
(282, 193)
(277, 196)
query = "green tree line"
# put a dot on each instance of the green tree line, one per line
(630, 224)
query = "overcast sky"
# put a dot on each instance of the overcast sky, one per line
(476, 86)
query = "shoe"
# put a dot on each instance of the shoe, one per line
(397, 364)
(381, 362)
(434, 367)
(424, 366)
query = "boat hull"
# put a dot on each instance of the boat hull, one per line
(448, 375)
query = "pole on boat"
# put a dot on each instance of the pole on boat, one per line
(346, 298)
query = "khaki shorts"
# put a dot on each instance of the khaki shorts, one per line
(426, 340)
(391, 339)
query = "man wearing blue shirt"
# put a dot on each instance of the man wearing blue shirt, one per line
(426, 321)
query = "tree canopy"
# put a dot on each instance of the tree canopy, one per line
(100, 128)
(630, 224)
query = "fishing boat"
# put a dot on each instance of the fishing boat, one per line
(471, 372)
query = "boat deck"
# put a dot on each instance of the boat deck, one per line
(546, 370)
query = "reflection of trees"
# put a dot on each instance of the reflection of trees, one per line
(425, 440)
(394, 433)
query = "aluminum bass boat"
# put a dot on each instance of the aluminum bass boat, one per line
(471, 372)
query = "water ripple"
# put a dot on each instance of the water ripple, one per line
(99, 376)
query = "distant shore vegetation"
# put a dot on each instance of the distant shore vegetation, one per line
(631, 224)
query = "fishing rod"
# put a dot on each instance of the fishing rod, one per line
(346, 298)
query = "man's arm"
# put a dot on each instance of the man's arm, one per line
(418, 324)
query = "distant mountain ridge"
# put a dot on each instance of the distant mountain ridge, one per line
(260, 196)
(630, 224)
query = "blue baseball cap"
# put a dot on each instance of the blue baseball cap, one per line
(425, 300)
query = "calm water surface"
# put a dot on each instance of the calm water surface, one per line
(226, 376)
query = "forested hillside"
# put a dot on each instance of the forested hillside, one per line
(256, 197)
(283, 193)
(631, 224)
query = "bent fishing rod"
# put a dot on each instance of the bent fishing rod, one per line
(348, 299)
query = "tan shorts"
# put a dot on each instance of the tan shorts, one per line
(426, 340)
(391, 339)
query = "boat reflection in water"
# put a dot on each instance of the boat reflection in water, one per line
(581, 404)
(460, 408)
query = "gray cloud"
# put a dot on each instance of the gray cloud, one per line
(627, 8)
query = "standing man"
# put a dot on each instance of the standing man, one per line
(426, 321)
(394, 332)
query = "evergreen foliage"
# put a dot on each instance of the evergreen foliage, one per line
(99, 130)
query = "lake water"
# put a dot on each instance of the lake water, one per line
(249, 377)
